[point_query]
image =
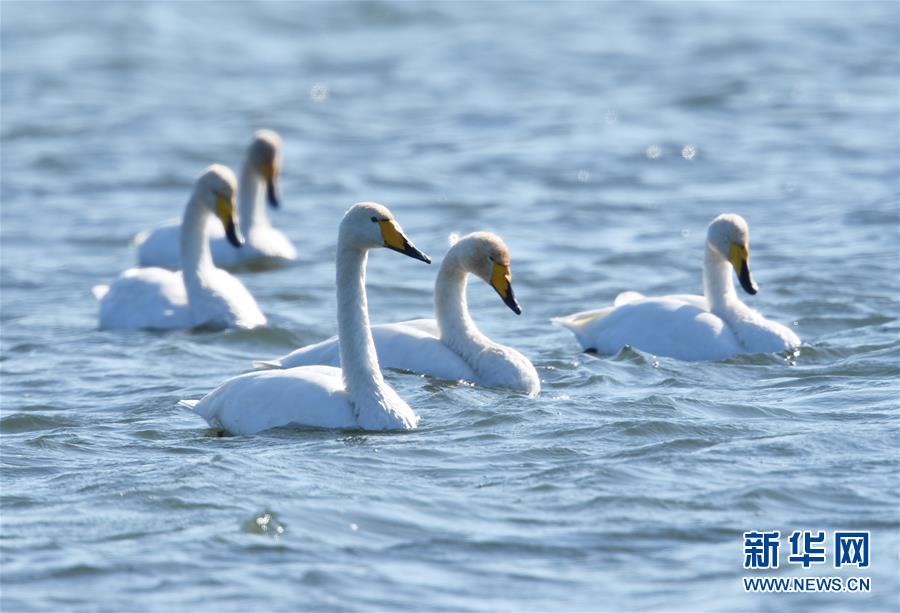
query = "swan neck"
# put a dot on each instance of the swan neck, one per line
(718, 285)
(451, 310)
(251, 203)
(196, 259)
(359, 362)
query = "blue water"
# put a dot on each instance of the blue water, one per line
(598, 139)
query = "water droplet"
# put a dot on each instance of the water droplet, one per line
(584, 176)
(354, 527)
(653, 152)
(688, 152)
(318, 92)
(266, 523)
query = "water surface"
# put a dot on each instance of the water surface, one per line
(598, 139)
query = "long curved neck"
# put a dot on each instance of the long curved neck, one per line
(251, 204)
(455, 325)
(718, 286)
(359, 362)
(196, 260)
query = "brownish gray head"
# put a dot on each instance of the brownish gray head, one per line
(485, 255)
(264, 155)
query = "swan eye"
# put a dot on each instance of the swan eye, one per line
(374, 219)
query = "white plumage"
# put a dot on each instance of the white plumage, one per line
(265, 245)
(714, 326)
(352, 397)
(201, 294)
(411, 345)
(450, 346)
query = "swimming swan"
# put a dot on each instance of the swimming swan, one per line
(450, 347)
(264, 244)
(352, 397)
(200, 295)
(714, 326)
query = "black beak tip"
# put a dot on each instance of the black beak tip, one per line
(232, 235)
(272, 195)
(747, 281)
(411, 251)
(510, 300)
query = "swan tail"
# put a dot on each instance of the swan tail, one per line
(188, 404)
(562, 322)
(140, 238)
(627, 298)
(191, 405)
(100, 291)
(578, 321)
(267, 364)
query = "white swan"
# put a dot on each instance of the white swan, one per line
(352, 397)
(688, 327)
(199, 295)
(450, 347)
(264, 244)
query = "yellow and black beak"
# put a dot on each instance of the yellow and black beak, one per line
(225, 211)
(501, 280)
(394, 239)
(739, 256)
(270, 175)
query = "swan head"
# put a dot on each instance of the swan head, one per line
(264, 155)
(485, 255)
(368, 225)
(216, 189)
(729, 236)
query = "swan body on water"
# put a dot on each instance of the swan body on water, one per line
(199, 294)
(714, 326)
(449, 346)
(264, 245)
(354, 396)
